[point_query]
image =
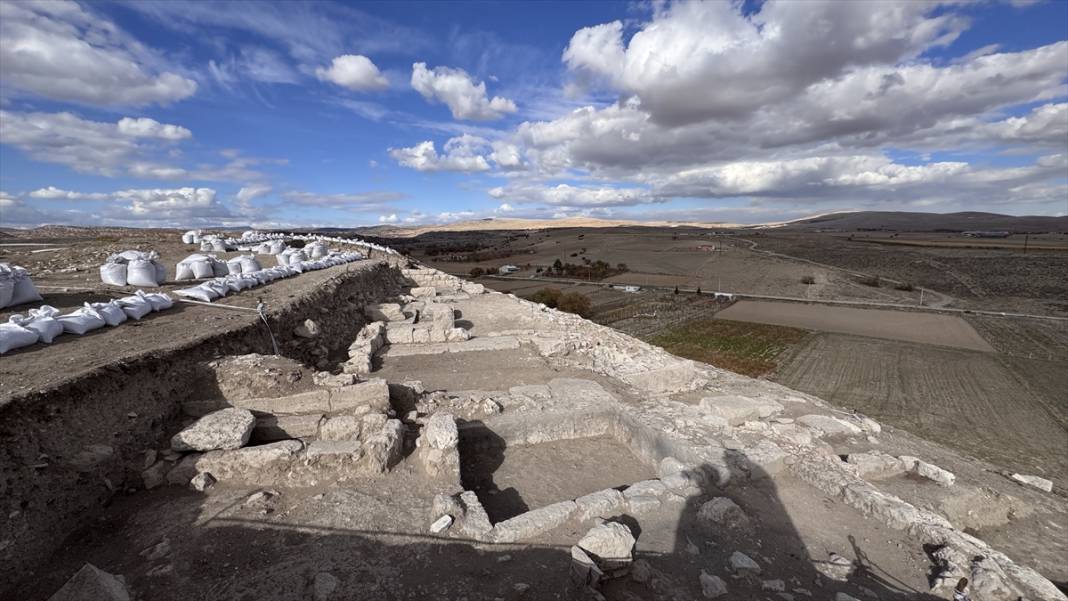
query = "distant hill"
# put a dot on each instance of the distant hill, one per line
(930, 222)
(526, 224)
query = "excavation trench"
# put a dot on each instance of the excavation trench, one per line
(68, 449)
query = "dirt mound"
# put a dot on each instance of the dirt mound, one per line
(253, 376)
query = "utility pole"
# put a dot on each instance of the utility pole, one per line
(921, 297)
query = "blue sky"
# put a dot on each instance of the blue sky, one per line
(302, 113)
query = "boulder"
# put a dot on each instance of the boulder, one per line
(611, 545)
(584, 570)
(826, 425)
(202, 482)
(92, 584)
(440, 432)
(383, 449)
(341, 427)
(476, 521)
(155, 475)
(875, 465)
(532, 523)
(184, 470)
(930, 471)
(221, 430)
(249, 462)
(722, 511)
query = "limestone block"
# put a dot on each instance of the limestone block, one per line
(739, 409)
(603, 503)
(532, 523)
(224, 429)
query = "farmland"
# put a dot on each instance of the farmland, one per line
(910, 326)
(749, 349)
(1008, 410)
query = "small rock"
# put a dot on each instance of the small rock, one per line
(774, 586)
(309, 329)
(157, 551)
(611, 544)
(324, 585)
(202, 482)
(1035, 481)
(712, 586)
(441, 524)
(641, 571)
(521, 587)
(740, 562)
(155, 475)
(150, 458)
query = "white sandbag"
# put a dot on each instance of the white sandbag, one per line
(234, 266)
(184, 271)
(161, 272)
(218, 268)
(81, 321)
(111, 312)
(277, 246)
(13, 336)
(205, 246)
(7, 288)
(159, 300)
(249, 264)
(218, 285)
(141, 272)
(202, 269)
(113, 274)
(42, 321)
(24, 291)
(187, 238)
(218, 246)
(198, 293)
(234, 283)
(135, 306)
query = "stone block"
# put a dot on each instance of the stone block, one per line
(532, 523)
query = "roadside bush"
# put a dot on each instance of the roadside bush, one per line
(905, 287)
(547, 296)
(872, 280)
(808, 280)
(476, 272)
(292, 243)
(576, 303)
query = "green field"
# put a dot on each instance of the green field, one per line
(742, 347)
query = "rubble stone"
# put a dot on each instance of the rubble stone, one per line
(611, 545)
(741, 563)
(739, 409)
(602, 503)
(712, 586)
(532, 523)
(930, 471)
(722, 511)
(308, 329)
(1034, 481)
(829, 426)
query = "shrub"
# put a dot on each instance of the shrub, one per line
(295, 243)
(808, 280)
(905, 287)
(549, 297)
(476, 272)
(576, 303)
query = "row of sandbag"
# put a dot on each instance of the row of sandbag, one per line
(44, 324)
(16, 287)
(200, 267)
(339, 240)
(221, 286)
(133, 268)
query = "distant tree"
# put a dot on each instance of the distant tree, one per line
(621, 267)
(550, 297)
(558, 266)
(576, 303)
(676, 289)
(808, 280)
(698, 290)
(477, 271)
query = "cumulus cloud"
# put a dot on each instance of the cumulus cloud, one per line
(566, 195)
(377, 201)
(455, 88)
(391, 218)
(355, 72)
(700, 60)
(61, 50)
(248, 193)
(462, 153)
(158, 202)
(150, 128)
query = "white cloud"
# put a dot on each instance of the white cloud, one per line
(391, 218)
(355, 72)
(155, 203)
(455, 88)
(62, 51)
(565, 195)
(129, 146)
(150, 128)
(54, 193)
(700, 60)
(462, 153)
(248, 193)
(378, 201)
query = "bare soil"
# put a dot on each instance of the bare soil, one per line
(909, 326)
(984, 404)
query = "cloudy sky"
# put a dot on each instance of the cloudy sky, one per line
(302, 113)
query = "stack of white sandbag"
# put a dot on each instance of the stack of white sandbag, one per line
(316, 250)
(16, 287)
(243, 264)
(200, 267)
(216, 244)
(271, 247)
(133, 268)
(45, 323)
(221, 286)
(191, 237)
(290, 256)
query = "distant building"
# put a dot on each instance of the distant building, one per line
(985, 234)
(632, 289)
(506, 269)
